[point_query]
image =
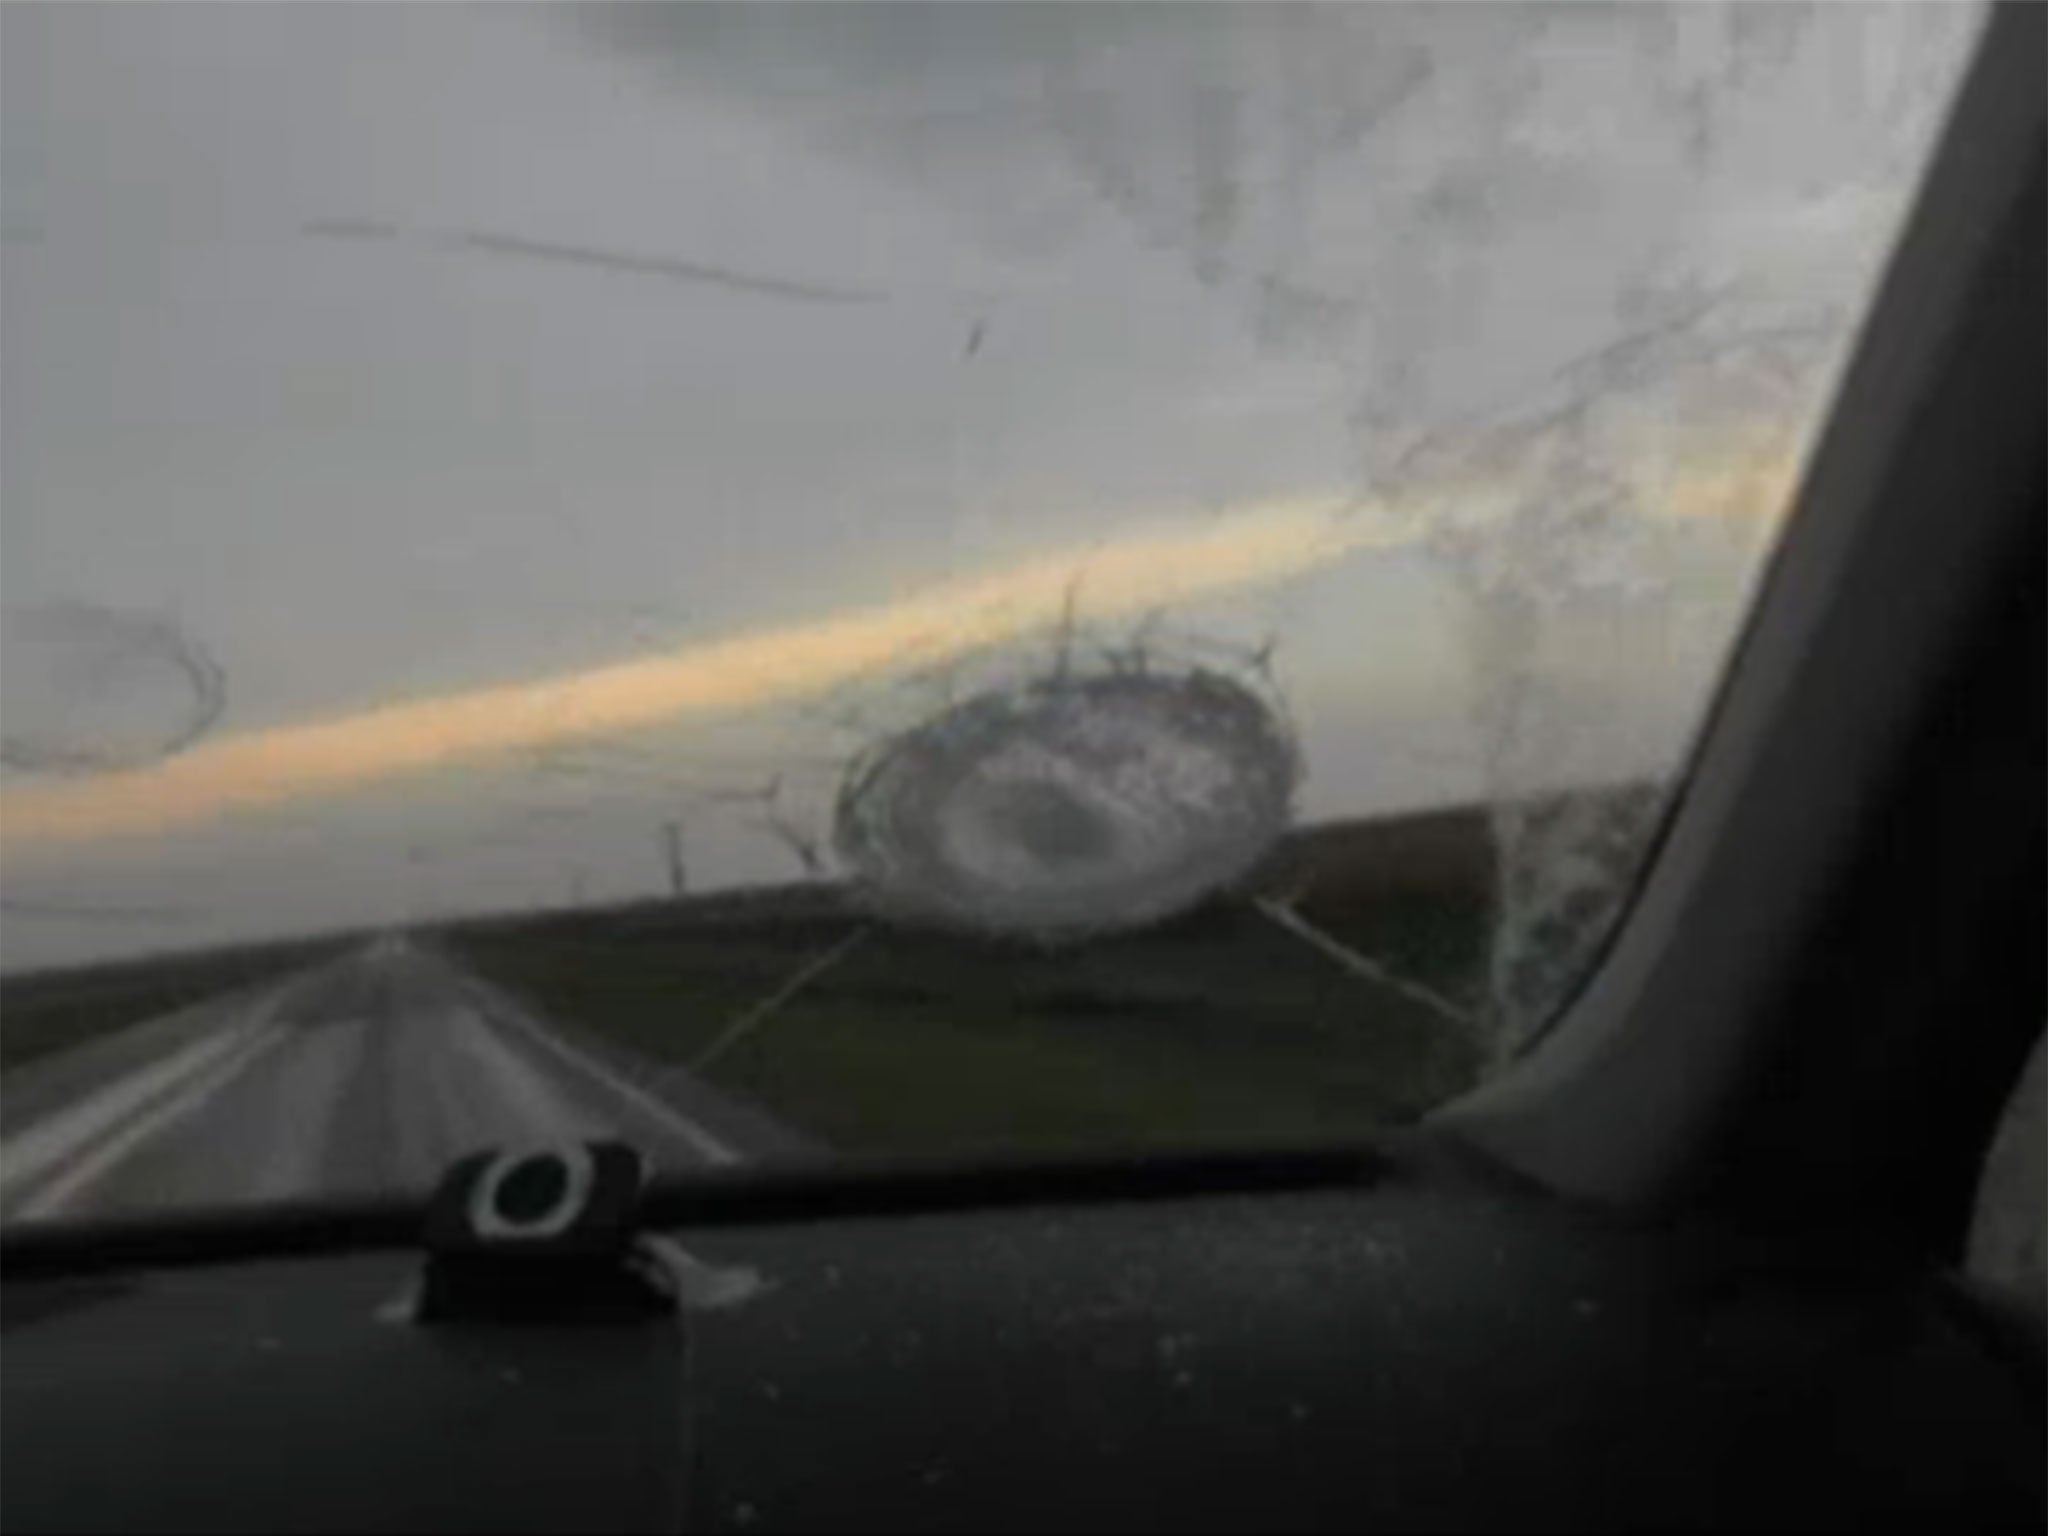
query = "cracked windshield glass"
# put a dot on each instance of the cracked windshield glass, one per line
(796, 583)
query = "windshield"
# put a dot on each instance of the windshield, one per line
(807, 581)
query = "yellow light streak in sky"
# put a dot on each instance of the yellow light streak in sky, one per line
(1138, 570)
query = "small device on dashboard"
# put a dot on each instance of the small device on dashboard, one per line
(545, 1234)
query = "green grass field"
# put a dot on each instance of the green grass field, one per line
(1218, 1027)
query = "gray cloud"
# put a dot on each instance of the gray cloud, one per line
(401, 350)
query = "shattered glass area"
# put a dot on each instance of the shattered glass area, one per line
(1578, 507)
(93, 690)
(1580, 280)
(1076, 803)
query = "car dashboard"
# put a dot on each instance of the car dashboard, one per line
(1404, 1347)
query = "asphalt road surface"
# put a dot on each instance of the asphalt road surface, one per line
(370, 1075)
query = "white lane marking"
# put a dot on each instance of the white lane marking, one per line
(61, 1135)
(707, 1146)
(52, 1198)
(110, 1046)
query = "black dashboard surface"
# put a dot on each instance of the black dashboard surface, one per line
(1414, 1354)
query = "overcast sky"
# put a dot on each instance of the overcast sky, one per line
(439, 358)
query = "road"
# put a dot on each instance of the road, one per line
(369, 1075)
